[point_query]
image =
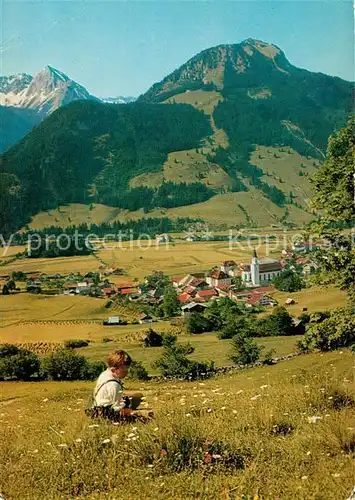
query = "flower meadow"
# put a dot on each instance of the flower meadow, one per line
(283, 431)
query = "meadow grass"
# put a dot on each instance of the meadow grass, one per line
(207, 348)
(276, 432)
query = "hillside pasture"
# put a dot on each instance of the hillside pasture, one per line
(269, 432)
(316, 298)
(207, 348)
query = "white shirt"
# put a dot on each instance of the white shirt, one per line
(108, 393)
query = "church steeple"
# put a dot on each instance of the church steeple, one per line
(254, 268)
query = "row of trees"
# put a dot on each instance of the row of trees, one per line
(228, 319)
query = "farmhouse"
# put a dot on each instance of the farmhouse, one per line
(204, 295)
(192, 307)
(260, 271)
(145, 318)
(218, 278)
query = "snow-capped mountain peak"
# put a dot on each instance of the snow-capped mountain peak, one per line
(44, 93)
(118, 100)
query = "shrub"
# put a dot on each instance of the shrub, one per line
(246, 350)
(137, 371)
(234, 326)
(279, 322)
(105, 340)
(305, 318)
(174, 363)
(268, 357)
(75, 343)
(65, 364)
(108, 304)
(289, 281)
(20, 364)
(197, 323)
(152, 339)
(338, 330)
(169, 339)
(94, 369)
(8, 350)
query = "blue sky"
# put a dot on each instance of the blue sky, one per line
(122, 47)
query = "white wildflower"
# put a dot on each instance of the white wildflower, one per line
(308, 453)
(304, 478)
(156, 429)
(188, 415)
(45, 400)
(240, 391)
(314, 419)
(336, 475)
(255, 397)
(106, 441)
(78, 440)
(62, 445)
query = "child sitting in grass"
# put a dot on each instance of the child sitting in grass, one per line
(108, 400)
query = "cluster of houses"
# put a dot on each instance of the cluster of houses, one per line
(247, 282)
(195, 290)
(253, 286)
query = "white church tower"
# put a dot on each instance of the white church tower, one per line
(254, 270)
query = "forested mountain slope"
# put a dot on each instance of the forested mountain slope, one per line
(236, 129)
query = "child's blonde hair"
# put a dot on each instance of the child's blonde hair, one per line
(118, 358)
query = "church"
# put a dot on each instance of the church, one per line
(260, 271)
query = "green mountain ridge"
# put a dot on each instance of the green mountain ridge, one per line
(213, 126)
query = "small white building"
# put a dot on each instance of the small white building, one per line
(218, 278)
(228, 265)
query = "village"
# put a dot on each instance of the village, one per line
(249, 283)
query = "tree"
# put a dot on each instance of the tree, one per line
(65, 364)
(197, 323)
(18, 363)
(237, 283)
(158, 280)
(279, 322)
(336, 330)
(246, 350)
(289, 281)
(334, 191)
(171, 304)
(174, 363)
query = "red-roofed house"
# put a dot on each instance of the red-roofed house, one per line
(129, 291)
(184, 297)
(261, 299)
(109, 291)
(205, 295)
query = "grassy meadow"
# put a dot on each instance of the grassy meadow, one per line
(278, 432)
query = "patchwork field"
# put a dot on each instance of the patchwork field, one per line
(283, 431)
(140, 258)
